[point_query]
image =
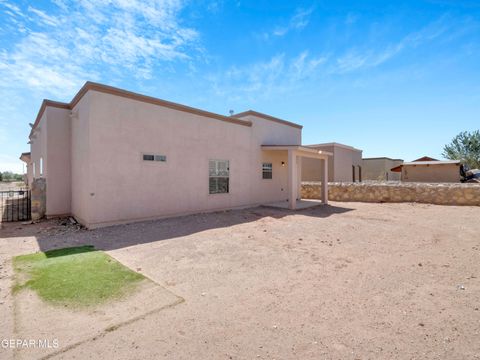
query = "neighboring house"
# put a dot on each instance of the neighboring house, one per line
(379, 168)
(434, 171)
(398, 168)
(112, 156)
(344, 166)
(26, 158)
(426, 158)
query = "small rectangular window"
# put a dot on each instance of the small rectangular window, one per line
(148, 157)
(41, 167)
(267, 170)
(219, 176)
(160, 158)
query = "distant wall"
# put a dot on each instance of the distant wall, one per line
(429, 193)
(379, 169)
(312, 169)
(449, 173)
(339, 164)
(342, 164)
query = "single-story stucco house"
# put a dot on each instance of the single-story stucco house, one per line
(379, 169)
(345, 165)
(431, 171)
(111, 156)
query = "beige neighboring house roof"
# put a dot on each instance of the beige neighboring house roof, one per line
(266, 117)
(335, 144)
(382, 157)
(234, 119)
(424, 163)
(436, 162)
(425, 158)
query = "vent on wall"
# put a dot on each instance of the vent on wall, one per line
(152, 157)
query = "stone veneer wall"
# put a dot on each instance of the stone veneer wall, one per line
(39, 198)
(429, 193)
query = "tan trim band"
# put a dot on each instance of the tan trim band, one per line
(134, 96)
(382, 158)
(267, 117)
(334, 144)
(44, 105)
(151, 100)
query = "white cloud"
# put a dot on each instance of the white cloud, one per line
(351, 18)
(264, 78)
(81, 38)
(281, 74)
(356, 59)
(214, 6)
(304, 65)
(298, 21)
(12, 8)
(46, 19)
(42, 63)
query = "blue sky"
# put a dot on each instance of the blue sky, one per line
(394, 78)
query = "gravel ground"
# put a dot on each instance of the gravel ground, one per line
(347, 281)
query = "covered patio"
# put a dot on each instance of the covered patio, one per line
(294, 164)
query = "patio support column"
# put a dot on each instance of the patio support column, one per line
(292, 179)
(299, 177)
(325, 181)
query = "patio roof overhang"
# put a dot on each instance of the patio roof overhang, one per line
(299, 150)
(295, 155)
(25, 157)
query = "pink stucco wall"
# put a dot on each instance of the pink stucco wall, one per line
(51, 146)
(57, 162)
(80, 160)
(38, 148)
(29, 167)
(94, 167)
(123, 187)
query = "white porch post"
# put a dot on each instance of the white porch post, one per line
(292, 179)
(325, 181)
(299, 177)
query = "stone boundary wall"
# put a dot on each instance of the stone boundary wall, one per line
(429, 193)
(39, 198)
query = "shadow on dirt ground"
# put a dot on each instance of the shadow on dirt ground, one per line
(51, 235)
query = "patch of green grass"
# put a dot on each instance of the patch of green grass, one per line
(78, 276)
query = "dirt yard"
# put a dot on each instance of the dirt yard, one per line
(347, 281)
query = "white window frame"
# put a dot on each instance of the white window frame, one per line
(41, 166)
(148, 154)
(267, 168)
(217, 174)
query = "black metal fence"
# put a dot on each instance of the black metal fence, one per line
(15, 205)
